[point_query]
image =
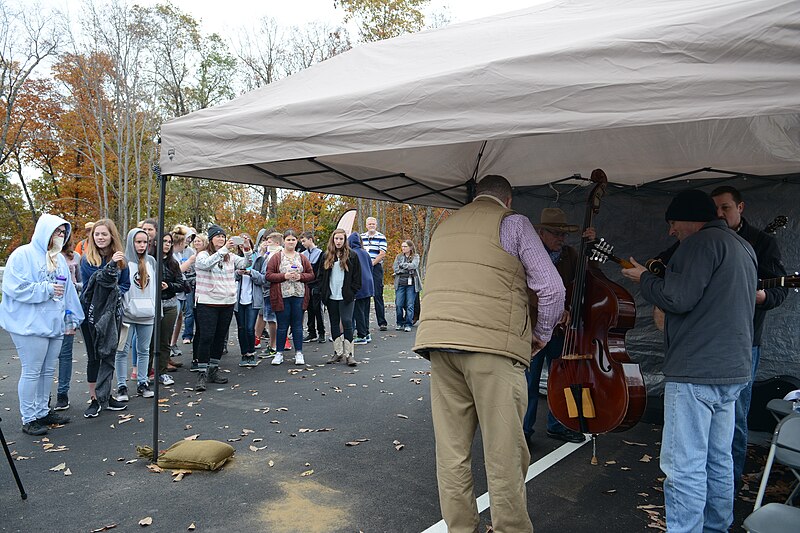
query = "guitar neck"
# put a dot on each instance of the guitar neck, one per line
(784, 281)
(621, 262)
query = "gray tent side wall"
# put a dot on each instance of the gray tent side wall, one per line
(633, 221)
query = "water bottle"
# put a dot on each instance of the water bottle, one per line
(69, 322)
(60, 280)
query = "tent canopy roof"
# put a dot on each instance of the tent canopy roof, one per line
(642, 88)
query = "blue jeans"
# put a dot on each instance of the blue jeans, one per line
(740, 429)
(292, 315)
(65, 365)
(696, 456)
(139, 337)
(38, 357)
(188, 316)
(246, 328)
(404, 302)
(552, 350)
(377, 282)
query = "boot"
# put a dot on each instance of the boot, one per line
(214, 376)
(338, 350)
(201, 381)
(348, 353)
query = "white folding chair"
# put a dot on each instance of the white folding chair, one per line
(773, 518)
(785, 449)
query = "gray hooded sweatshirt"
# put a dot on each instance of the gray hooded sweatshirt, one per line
(139, 303)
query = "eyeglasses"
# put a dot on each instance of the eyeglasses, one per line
(60, 232)
(560, 234)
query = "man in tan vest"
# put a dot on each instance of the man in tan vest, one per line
(476, 330)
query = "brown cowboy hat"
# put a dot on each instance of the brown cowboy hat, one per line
(555, 219)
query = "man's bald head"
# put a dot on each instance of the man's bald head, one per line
(496, 186)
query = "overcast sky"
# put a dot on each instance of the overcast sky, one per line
(224, 16)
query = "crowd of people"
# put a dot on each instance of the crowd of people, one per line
(108, 287)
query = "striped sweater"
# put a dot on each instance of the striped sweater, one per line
(216, 282)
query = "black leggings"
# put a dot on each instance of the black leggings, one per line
(211, 328)
(339, 310)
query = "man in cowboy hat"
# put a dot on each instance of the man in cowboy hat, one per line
(553, 230)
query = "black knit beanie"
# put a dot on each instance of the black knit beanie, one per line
(692, 206)
(214, 230)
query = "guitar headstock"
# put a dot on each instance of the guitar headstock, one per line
(779, 222)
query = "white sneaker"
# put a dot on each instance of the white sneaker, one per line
(166, 379)
(278, 359)
(298, 359)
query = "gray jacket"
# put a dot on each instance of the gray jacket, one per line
(708, 296)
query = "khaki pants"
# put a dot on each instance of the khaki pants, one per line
(490, 390)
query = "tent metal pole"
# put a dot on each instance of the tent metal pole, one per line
(157, 322)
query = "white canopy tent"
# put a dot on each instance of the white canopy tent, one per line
(644, 89)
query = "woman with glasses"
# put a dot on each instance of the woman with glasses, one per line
(39, 303)
(406, 284)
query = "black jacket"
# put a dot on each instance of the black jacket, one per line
(352, 279)
(173, 280)
(101, 299)
(769, 266)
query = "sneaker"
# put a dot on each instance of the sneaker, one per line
(143, 390)
(383, 327)
(174, 351)
(53, 418)
(34, 428)
(225, 349)
(166, 380)
(269, 352)
(360, 340)
(278, 359)
(62, 403)
(133, 375)
(288, 345)
(407, 329)
(258, 343)
(369, 337)
(151, 376)
(398, 327)
(122, 394)
(114, 405)
(187, 341)
(245, 361)
(200, 386)
(321, 339)
(310, 337)
(252, 360)
(298, 359)
(93, 410)
(195, 366)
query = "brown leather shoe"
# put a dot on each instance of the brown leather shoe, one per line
(174, 363)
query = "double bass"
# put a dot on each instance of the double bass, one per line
(595, 387)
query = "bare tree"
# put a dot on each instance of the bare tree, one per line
(262, 53)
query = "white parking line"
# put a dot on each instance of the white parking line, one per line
(534, 470)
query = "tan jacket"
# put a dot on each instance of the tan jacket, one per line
(475, 296)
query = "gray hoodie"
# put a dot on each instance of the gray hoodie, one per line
(139, 303)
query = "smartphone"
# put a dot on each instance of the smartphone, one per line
(237, 240)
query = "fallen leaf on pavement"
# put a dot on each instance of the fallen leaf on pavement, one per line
(131, 461)
(307, 473)
(144, 522)
(271, 463)
(192, 437)
(401, 416)
(630, 443)
(59, 467)
(191, 527)
(645, 459)
(154, 468)
(67, 472)
(104, 528)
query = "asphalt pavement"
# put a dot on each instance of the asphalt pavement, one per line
(293, 470)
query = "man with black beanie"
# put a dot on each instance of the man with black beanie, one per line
(708, 336)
